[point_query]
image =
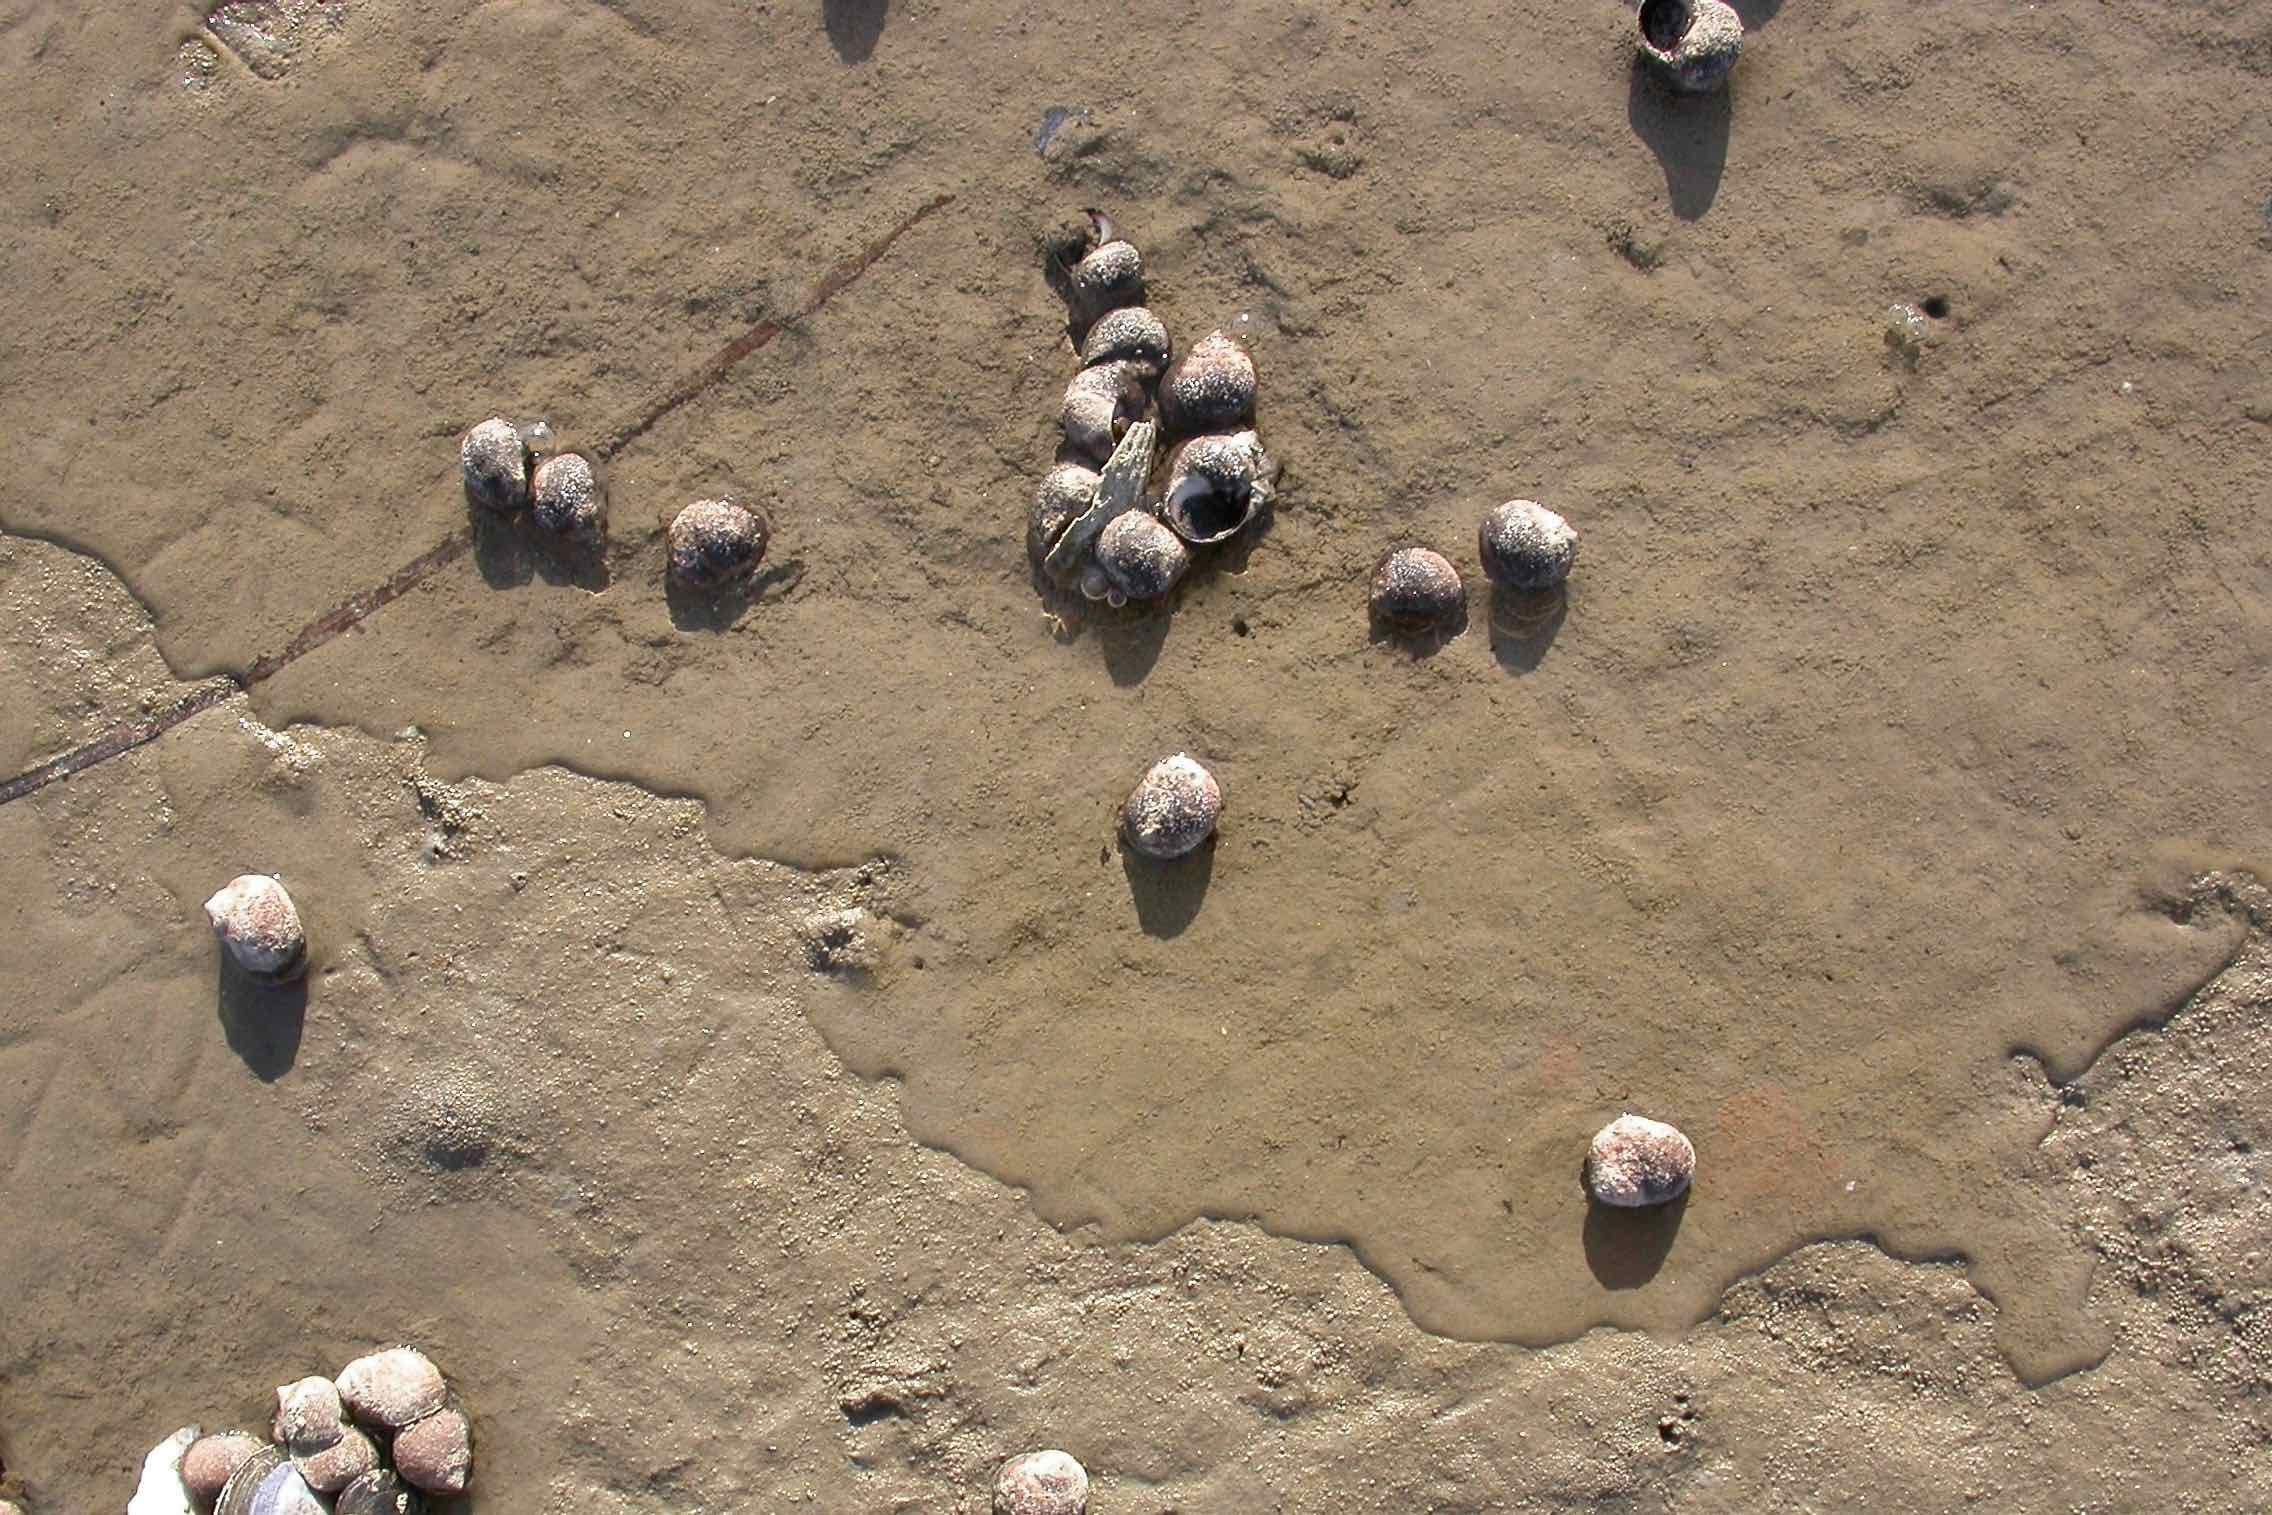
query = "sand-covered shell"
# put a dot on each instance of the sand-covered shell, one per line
(1209, 388)
(210, 1461)
(1131, 334)
(1065, 491)
(1172, 809)
(1526, 546)
(259, 927)
(308, 1415)
(495, 461)
(1109, 275)
(1100, 405)
(1141, 559)
(1415, 588)
(162, 1490)
(568, 496)
(1217, 483)
(436, 1453)
(714, 542)
(1635, 1161)
(1692, 44)
(392, 1388)
(378, 1492)
(1042, 1483)
(340, 1464)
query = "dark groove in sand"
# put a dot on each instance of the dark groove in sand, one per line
(128, 735)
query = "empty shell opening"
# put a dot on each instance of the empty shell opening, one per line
(1204, 512)
(1665, 22)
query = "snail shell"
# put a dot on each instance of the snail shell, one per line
(1526, 546)
(378, 1492)
(211, 1459)
(1141, 559)
(1172, 809)
(340, 1464)
(1209, 388)
(568, 495)
(1692, 44)
(1109, 276)
(1100, 405)
(307, 1415)
(1131, 334)
(392, 1388)
(1415, 588)
(1216, 484)
(1041, 1483)
(436, 1453)
(495, 460)
(1066, 491)
(259, 925)
(713, 542)
(1636, 1162)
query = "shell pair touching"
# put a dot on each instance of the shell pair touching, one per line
(511, 468)
(381, 1439)
(1096, 525)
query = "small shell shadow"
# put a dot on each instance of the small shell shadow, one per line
(718, 609)
(261, 1022)
(512, 551)
(854, 27)
(1626, 1248)
(1168, 893)
(1422, 641)
(1688, 134)
(1524, 623)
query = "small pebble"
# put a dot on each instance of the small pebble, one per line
(308, 1415)
(260, 927)
(1100, 405)
(1141, 558)
(496, 464)
(1041, 1483)
(436, 1454)
(1526, 546)
(1066, 491)
(713, 542)
(391, 1388)
(1635, 1162)
(1691, 43)
(1415, 588)
(568, 496)
(1210, 388)
(1131, 334)
(340, 1464)
(211, 1459)
(1172, 809)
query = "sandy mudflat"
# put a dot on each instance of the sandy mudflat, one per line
(736, 1047)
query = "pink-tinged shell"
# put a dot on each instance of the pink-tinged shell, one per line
(436, 1454)
(260, 927)
(1042, 1483)
(1635, 1162)
(307, 1415)
(340, 1464)
(392, 1388)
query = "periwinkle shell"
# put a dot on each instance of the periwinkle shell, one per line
(1692, 44)
(1065, 491)
(1131, 334)
(335, 1467)
(392, 1388)
(568, 495)
(1141, 559)
(1209, 388)
(1100, 405)
(1217, 483)
(714, 542)
(495, 460)
(436, 1453)
(1108, 277)
(1526, 546)
(1416, 588)
(1042, 1483)
(211, 1460)
(1636, 1162)
(260, 927)
(1172, 809)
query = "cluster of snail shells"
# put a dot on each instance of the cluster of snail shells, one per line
(1218, 478)
(379, 1440)
(509, 468)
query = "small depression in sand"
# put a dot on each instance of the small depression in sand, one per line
(1887, 714)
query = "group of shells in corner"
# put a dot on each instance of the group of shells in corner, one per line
(1096, 525)
(381, 1439)
(510, 468)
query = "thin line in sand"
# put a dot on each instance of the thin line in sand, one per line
(128, 735)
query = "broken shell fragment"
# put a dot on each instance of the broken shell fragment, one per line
(210, 1461)
(568, 495)
(1209, 388)
(1691, 43)
(713, 542)
(1131, 334)
(1216, 484)
(1110, 275)
(1066, 491)
(1141, 559)
(262, 1487)
(340, 1464)
(1635, 1162)
(307, 1415)
(1415, 588)
(1041, 1483)
(162, 1490)
(1100, 405)
(258, 924)
(378, 1492)
(495, 460)
(436, 1453)
(1526, 546)
(392, 1388)
(1172, 809)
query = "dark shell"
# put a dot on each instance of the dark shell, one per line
(1172, 809)
(266, 1483)
(568, 494)
(1691, 43)
(495, 461)
(1131, 334)
(713, 542)
(1216, 484)
(1100, 405)
(1526, 546)
(1065, 492)
(1141, 559)
(1209, 388)
(1415, 588)
(379, 1492)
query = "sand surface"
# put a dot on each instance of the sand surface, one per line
(737, 1046)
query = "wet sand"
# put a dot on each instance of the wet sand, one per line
(1859, 797)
